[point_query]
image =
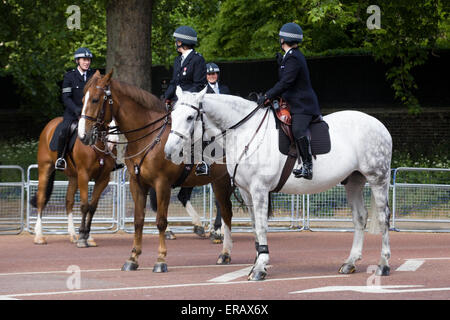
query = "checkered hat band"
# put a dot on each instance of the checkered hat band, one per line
(291, 35)
(183, 36)
(83, 55)
(213, 70)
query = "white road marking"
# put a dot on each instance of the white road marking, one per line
(109, 270)
(184, 285)
(371, 289)
(414, 264)
(410, 265)
(232, 275)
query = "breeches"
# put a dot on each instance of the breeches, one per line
(300, 123)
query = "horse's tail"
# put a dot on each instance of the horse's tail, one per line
(48, 190)
(153, 201)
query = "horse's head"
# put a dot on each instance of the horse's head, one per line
(186, 111)
(97, 108)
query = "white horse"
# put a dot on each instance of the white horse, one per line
(361, 149)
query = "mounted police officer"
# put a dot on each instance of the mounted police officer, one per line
(294, 86)
(212, 75)
(72, 95)
(189, 68)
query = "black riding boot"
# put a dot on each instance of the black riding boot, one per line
(61, 163)
(202, 169)
(304, 148)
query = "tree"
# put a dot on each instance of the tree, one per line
(37, 47)
(128, 25)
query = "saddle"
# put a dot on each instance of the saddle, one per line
(72, 134)
(317, 131)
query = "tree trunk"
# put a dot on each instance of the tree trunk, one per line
(129, 26)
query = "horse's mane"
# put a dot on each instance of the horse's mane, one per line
(140, 96)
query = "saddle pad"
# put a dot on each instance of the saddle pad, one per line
(320, 139)
(73, 136)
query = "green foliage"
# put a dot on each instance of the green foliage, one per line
(39, 47)
(409, 30)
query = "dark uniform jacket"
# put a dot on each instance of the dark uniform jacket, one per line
(191, 76)
(223, 89)
(72, 93)
(294, 84)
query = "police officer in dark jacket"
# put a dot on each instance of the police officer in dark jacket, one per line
(189, 68)
(72, 95)
(212, 75)
(294, 86)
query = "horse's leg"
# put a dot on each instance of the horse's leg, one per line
(381, 215)
(163, 197)
(223, 194)
(46, 179)
(83, 186)
(100, 185)
(140, 199)
(70, 200)
(354, 190)
(184, 195)
(260, 200)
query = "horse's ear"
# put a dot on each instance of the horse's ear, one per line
(97, 74)
(108, 76)
(179, 92)
(201, 94)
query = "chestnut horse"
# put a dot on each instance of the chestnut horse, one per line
(144, 121)
(83, 164)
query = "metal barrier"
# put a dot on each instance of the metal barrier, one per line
(178, 218)
(11, 199)
(54, 218)
(421, 200)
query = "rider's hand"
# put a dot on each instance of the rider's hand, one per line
(263, 100)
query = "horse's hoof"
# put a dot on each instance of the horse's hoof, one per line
(257, 275)
(170, 235)
(215, 237)
(224, 258)
(73, 238)
(347, 268)
(92, 243)
(383, 271)
(160, 267)
(40, 241)
(82, 243)
(200, 231)
(130, 266)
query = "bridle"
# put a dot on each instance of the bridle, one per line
(99, 127)
(200, 113)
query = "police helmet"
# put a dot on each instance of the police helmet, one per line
(83, 53)
(212, 68)
(186, 35)
(291, 32)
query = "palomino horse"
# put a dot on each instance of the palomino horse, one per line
(144, 121)
(361, 149)
(83, 164)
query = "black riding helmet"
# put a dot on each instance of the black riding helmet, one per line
(82, 53)
(291, 32)
(186, 35)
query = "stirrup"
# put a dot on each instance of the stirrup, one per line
(62, 164)
(202, 169)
